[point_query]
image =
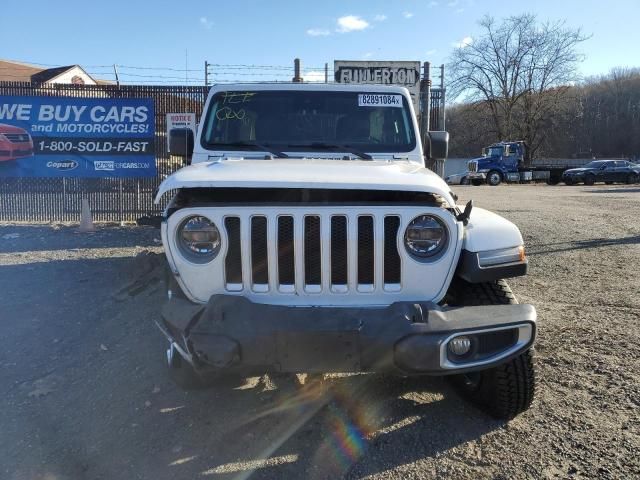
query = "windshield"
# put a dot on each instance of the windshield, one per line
(309, 121)
(494, 151)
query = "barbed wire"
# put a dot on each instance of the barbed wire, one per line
(229, 66)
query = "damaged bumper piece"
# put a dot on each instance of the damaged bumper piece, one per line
(231, 332)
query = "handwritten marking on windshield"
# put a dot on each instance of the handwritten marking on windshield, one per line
(237, 97)
(227, 113)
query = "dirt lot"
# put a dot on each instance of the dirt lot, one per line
(84, 393)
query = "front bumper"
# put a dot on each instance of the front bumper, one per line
(477, 176)
(231, 332)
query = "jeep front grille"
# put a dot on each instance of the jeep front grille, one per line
(472, 166)
(344, 248)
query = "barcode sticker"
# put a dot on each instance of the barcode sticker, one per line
(379, 100)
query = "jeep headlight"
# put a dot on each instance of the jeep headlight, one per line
(198, 239)
(426, 236)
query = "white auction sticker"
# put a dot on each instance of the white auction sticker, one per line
(379, 100)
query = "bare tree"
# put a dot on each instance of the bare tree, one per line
(520, 69)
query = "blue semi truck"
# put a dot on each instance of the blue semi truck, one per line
(504, 162)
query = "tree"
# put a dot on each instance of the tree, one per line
(520, 69)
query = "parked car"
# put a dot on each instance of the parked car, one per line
(302, 239)
(457, 179)
(15, 143)
(607, 171)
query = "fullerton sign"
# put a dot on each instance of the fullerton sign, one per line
(406, 74)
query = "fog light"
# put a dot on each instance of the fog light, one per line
(460, 345)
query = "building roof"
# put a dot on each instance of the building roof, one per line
(49, 74)
(12, 71)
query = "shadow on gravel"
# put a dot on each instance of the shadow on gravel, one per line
(582, 244)
(33, 238)
(615, 190)
(345, 427)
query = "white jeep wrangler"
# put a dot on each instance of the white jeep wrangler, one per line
(307, 236)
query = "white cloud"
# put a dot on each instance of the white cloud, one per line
(379, 18)
(206, 23)
(407, 14)
(452, 4)
(460, 10)
(351, 23)
(318, 32)
(432, 51)
(433, 4)
(313, 76)
(367, 55)
(465, 42)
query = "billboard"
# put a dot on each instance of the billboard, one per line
(76, 137)
(405, 74)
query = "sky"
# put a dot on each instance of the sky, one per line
(153, 42)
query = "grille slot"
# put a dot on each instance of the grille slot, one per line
(312, 251)
(392, 266)
(365, 251)
(339, 266)
(233, 260)
(286, 254)
(259, 255)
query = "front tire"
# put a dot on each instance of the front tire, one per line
(494, 178)
(508, 389)
(632, 178)
(589, 180)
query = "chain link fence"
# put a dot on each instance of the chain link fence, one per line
(111, 199)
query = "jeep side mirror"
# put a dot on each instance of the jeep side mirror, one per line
(181, 142)
(439, 145)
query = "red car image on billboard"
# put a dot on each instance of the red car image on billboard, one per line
(15, 143)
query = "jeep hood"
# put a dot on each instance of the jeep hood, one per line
(309, 173)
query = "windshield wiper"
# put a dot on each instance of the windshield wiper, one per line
(255, 146)
(330, 146)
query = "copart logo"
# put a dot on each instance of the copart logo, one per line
(63, 165)
(104, 165)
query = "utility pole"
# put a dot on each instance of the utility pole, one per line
(425, 112)
(326, 73)
(206, 73)
(115, 71)
(296, 68)
(443, 103)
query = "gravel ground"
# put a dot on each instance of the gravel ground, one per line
(84, 393)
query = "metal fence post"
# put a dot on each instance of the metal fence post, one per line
(296, 67)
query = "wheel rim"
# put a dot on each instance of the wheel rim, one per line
(494, 179)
